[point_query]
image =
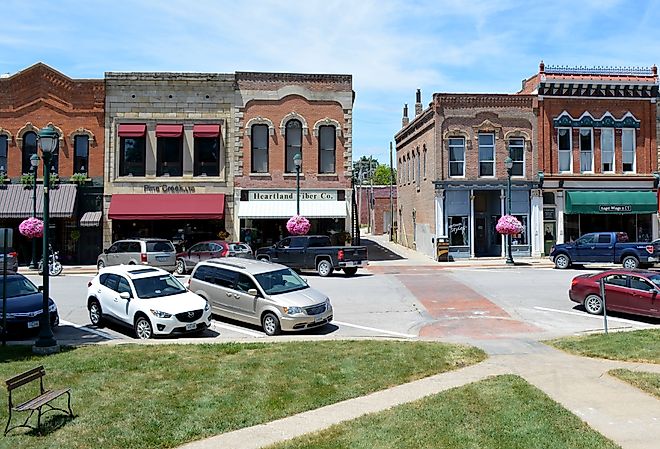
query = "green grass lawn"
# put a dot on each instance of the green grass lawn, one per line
(159, 396)
(649, 382)
(502, 412)
(635, 346)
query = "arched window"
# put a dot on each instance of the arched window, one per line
(29, 148)
(293, 144)
(55, 159)
(81, 153)
(327, 149)
(259, 161)
(4, 146)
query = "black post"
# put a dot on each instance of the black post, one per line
(4, 288)
(297, 189)
(509, 255)
(602, 295)
(46, 339)
(391, 199)
(33, 262)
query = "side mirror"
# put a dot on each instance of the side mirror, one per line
(125, 295)
(40, 288)
(253, 292)
(655, 291)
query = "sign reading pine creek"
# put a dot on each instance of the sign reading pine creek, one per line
(615, 208)
(290, 195)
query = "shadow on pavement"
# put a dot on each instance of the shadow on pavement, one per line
(377, 252)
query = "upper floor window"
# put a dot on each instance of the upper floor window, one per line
(424, 161)
(293, 139)
(132, 149)
(607, 150)
(29, 148)
(207, 156)
(419, 169)
(169, 150)
(586, 151)
(327, 149)
(486, 154)
(628, 150)
(259, 149)
(457, 156)
(517, 155)
(55, 159)
(565, 146)
(4, 145)
(412, 167)
(81, 154)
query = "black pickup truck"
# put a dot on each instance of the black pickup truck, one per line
(315, 252)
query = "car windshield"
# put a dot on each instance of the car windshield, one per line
(19, 286)
(156, 286)
(280, 281)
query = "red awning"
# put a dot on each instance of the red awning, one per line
(206, 130)
(167, 206)
(169, 130)
(132, 129)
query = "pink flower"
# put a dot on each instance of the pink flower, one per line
(31, 228)
(509, 225)
(298, 225)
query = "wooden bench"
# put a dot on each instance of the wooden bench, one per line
(37, 403)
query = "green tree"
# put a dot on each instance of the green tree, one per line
(382, 175)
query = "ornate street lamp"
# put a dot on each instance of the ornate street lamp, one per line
(297, 160)
(34, 162)
(46, 343)
(508, 163)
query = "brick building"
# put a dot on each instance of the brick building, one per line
(279, 115)
(374, 207)
(452, 181)
(29, 100)
(598, 151)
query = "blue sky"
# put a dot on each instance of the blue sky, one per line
(390, 47)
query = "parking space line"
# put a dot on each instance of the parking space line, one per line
(88, 329)
(238, 329)
(586, 315)
(373, 329)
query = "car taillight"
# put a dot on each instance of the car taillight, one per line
(649, 249)
(340, 254)
(187, 284)
(143, 257)
(13, 254)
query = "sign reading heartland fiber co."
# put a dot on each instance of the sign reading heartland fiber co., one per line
(615, 208)
(290, 195)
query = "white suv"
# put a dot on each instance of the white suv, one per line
(149, 299)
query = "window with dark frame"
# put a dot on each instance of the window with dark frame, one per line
(607, 150)
(207, 156)
(29, 148)
(293, 138)
(55, 159)
(517, 154)
(586, 151)
(457, 156)
(486, 154)
(81, 154)
(4, 145)
(169, 156)
(132, 156)
(564, 142)
(628, 150)
(259, 151)
(327, 149)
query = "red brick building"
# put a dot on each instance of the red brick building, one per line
(597, 150)
(279, 115)
(29, 100)
(375, 208)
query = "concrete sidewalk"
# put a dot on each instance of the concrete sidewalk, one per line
(66, 269)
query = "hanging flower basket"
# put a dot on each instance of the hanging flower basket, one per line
(509, 225)
(32, 228)
(298, 225)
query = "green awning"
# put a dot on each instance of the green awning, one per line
(611, 202)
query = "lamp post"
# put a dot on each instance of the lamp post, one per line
(46, 343)
(297, 160)
(508, 163)
(34, 162)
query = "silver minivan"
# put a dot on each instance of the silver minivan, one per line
(262, 293)
(154, 252)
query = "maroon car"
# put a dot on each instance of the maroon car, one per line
(630, 291)
(210, 249)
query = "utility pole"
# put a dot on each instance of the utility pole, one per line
(371, 195)
(391, 200)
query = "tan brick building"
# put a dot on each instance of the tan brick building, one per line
(279, 115)
(29, 100)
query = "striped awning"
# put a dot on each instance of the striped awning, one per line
(90, 219)
(16, 201)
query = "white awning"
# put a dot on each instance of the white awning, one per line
(286, 209)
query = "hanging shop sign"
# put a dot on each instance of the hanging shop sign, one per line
(168, 188)
(290, 195)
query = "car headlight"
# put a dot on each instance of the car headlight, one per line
(327, 303)
(293, 310)
(160, 314)
(52, 308)
(206, 307)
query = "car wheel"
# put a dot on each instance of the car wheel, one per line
(593, 304)
(562, 261)
(271, 324)
(95, 314)
(324, 268)
(180, 267)
(350, 271)
(630, 262)
(143, 329)
(100, 264)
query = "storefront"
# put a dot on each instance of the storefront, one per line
(263, 214)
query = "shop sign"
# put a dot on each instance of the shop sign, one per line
(615, 208)
(549, 213)
(168, 188)
(290, 195)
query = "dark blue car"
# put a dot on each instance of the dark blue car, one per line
(25, 305)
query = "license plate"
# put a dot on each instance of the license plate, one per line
(161, 258)
(33, 324)
(318, 319)
(191, 326)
